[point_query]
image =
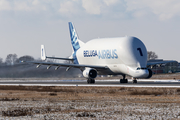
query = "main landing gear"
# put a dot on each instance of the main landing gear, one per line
(90, 81)
(134, 80)
(124, 80)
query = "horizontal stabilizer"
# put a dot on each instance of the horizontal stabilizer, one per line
(44, 57)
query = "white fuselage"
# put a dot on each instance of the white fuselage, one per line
(124, 55)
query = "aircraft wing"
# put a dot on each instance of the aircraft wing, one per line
(159, 62)
(49, 64)
(66, 65)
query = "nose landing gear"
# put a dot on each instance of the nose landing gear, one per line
(134, 80)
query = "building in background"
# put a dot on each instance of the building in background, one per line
(169, 66)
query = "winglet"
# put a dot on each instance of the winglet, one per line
(43, 53)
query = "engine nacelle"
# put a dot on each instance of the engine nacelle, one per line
(90, 73)
(150, 73)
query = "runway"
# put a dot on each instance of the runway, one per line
(100, 83)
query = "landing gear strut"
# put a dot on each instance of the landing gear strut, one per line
(124, 80)
(134, 80)
(90, 81)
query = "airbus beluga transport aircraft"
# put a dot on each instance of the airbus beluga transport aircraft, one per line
(104, 56)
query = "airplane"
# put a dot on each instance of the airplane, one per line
(104, 56)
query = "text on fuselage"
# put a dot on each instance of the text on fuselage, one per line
(101, 54)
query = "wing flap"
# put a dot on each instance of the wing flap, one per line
(66, 65)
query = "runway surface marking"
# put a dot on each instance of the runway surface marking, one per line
(69, 80)
(90, 85)
(99, 83)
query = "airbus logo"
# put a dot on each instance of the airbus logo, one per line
(101, 54)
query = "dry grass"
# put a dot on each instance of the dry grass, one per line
(68, 92)
(84, 102)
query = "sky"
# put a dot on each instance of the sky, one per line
(26, 24)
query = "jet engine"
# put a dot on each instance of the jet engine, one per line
(150, 73)
(90, 73)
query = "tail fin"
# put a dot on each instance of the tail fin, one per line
(43, 53)
(76, 43)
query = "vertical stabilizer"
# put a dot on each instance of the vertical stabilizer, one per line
(76, 43)
(74, 37)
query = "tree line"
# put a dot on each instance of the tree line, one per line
(12, 68)
(12, 59)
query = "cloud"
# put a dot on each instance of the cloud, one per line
(92, 6)
(68, 8)
(4, 5)
(115, 9)
(22, 5)
(35, 2)
(110, 2)
(164, 10)
(108, 9)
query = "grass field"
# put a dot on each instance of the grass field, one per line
(35, 102)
